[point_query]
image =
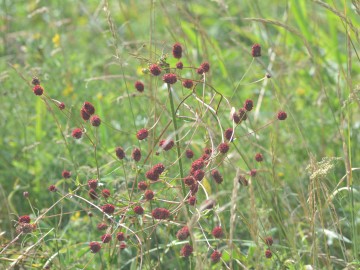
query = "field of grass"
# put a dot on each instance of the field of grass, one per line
(298, 208)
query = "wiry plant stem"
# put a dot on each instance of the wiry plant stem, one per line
(177, 142)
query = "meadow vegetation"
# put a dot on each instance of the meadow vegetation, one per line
(180, 134)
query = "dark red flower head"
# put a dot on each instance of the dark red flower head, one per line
(282, 115)
(189, 180)
(199, 175)
(160, 213)
(92, 183)
(66, 174)
(152, 175)
(102, 226)
(106, 238)
(24, 219)
(186, 250)
(217, 232)
(170, 78)
(26, 228)
(77, 133)
(236, 118)
(84, 115)
(136, 154)
(183, 233)
(139, 86)
(200, 71)
(248, 105)
(187, 83)
(108, 208)
(92, 194)
(142, 134)
(166, 144)
(95, 121)
(120, 152)
(38, 90)
(205, 157)
(215, 256)
(253, 172)
(138, 210)
(177, 50)
(88, 107)
(229, 134)
(259, 157)
(197, 164)
(149, 195)
(155, 70)
(122, 245)
(268, 253)
(179, 65)
(204, 67)
(194, 188)
(242, 114)
(189, 153)
(269, 240)
(61, 105)
(52, 188)
(120, 236)
(35, 81)
(105, 193)
(192, 200)
(223, 148)
(95, 247)
(256, 50)
(159, 168)
(142, 185)
(217, 176)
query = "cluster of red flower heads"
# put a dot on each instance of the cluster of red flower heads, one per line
(24, 225)
(154, 173)
(106, 238)
(87, 112)
(160, 213)
(197, 170)
(37, 89)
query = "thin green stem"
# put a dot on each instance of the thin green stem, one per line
(177, 142)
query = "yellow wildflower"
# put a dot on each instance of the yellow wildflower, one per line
(56, 40)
